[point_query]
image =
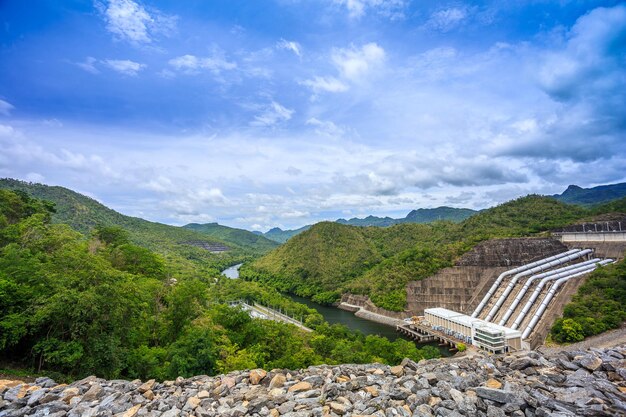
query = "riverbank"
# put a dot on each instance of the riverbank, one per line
(370, 315)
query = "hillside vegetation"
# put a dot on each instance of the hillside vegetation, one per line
(598, 306)
(233, 236)
(592, 196)
(98, 304)
(83, 214)
(330, 259)
(415, 216)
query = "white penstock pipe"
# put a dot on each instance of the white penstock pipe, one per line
(550, 295)
(582, 268)
(495, 285)
(542, 267)
(529, 282)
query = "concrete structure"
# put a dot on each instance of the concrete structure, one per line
(480, 333)
(591, 236)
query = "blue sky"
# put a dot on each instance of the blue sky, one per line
(283, 112)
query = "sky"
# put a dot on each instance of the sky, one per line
(263, 113)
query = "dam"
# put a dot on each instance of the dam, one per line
(518, 286)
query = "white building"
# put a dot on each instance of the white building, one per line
(483, 334)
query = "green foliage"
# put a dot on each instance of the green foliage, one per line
(88, 216)
(233, 236)
(616, 206)
(598, 306)
(567, 331)
(592, 196)
(461, 347)
(112, 235)
(102, 305)
(416, 216)
(379, 262)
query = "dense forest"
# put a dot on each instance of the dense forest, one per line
(598, 306)
(330, 258)
(233, 236)
(79, 304)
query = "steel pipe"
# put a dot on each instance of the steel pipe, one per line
(505, 274)
(542, 267)
(529, 282)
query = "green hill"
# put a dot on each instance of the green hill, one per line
(440, 213)
(233, 236)
(370, 221)
(592, 196)
(330, 258)
(415, 216)
(73, 305)
(83, 213)
(281, 236)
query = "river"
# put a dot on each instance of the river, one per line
(336, 315)
(232, 272)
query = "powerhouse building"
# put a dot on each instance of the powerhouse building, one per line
(483, 334)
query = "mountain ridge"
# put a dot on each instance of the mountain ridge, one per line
(84, 213)
(331, 259)
(240, 237)
(600, 194)
(420, 215)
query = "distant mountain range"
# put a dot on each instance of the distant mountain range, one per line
(83, 213)
(416, 216)
(572, 195)
(592, 196)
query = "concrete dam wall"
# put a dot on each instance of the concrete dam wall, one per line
(462, 286)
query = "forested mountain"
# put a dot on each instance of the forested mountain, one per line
(233, 236)
(83, 213)
(330, 258)
(453, 214)
(572, 195)
(281, 236)
(592, 196)
(78, 305)
(416, 216)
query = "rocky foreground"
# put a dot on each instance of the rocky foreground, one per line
(590, 383)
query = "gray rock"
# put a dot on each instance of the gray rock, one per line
(523, 363)
(590, 362)
(498, 395)
(174, 412)
(493, 411)
(45, 382)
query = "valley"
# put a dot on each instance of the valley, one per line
(396, 272)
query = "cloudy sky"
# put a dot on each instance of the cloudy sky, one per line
(261, 113)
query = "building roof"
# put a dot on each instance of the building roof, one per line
(469, 321)
(442, 312)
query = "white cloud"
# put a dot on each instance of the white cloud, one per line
(392, 9)
(34, 177)
(273, 114)
(192, 64)
(129, 21)
(5, 107)
(353, 63)
(328, 84)
(89, 65)
(290, 46)
(446, 19)
(325, 128)
(125, 66)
